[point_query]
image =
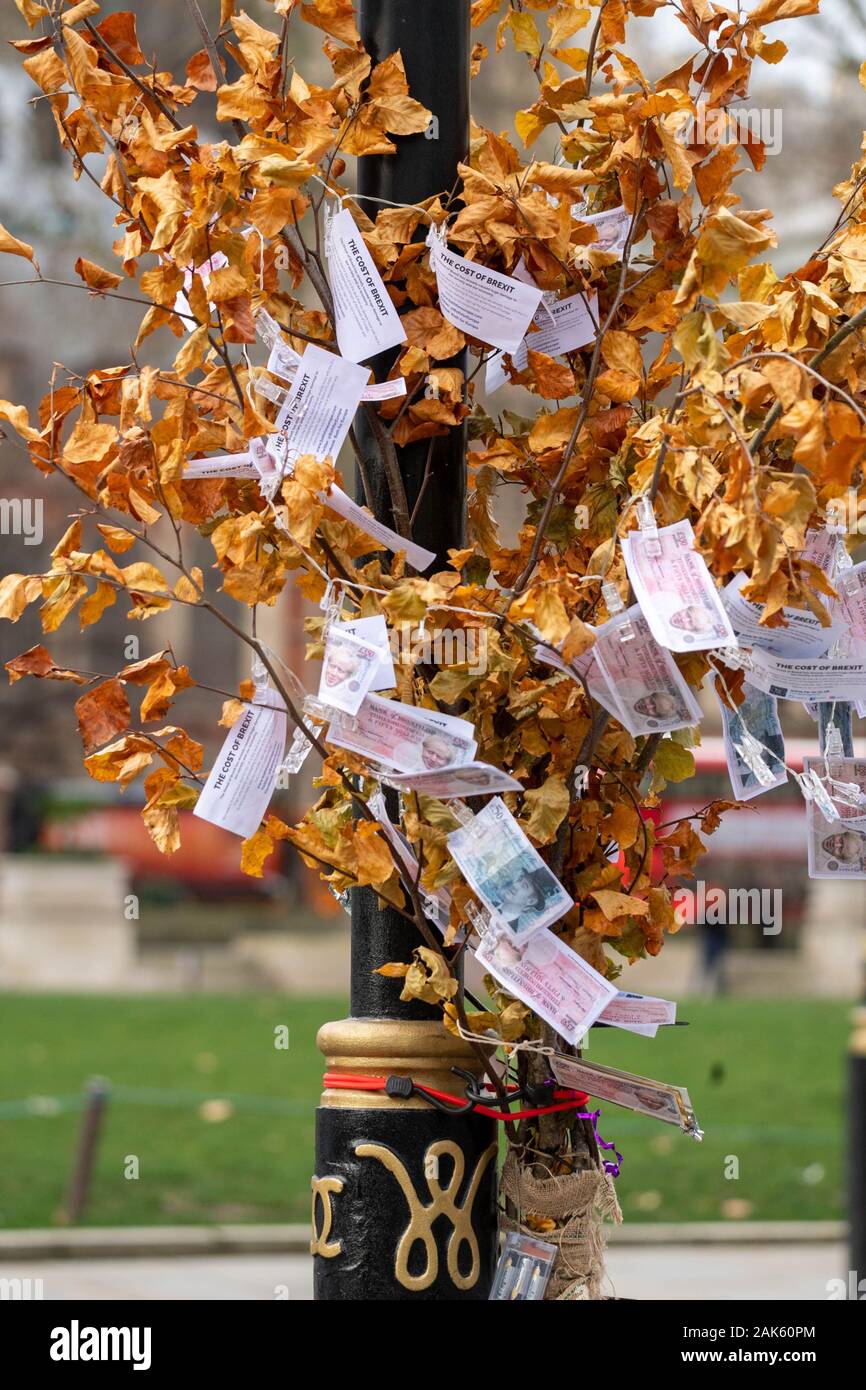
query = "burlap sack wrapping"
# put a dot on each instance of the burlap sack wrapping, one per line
(578, 1203)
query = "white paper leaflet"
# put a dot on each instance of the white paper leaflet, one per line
(220, 466)
(238, 791)
(320, 408)
(551, 979)
(375, 631)
(754, 744)
(808, 681)
(475, 779)
(283, 362)
(801, 638)
(676, 590)
(242, 466)
(349, 667)
(404, 737)
(481, 302)
(314, 419)
(507, 873)
(639, 1093)
(564, 325)
(366, 320)
(650, 694)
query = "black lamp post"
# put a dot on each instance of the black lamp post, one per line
(404, 1197)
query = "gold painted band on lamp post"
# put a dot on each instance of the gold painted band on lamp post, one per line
(422, 1049)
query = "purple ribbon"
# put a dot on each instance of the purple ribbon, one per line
(592, 1116)
(609, 1167)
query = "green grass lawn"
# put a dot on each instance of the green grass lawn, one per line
(766, 1080)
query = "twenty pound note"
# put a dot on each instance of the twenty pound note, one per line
(754, 744)
(504, 870)
(676, 591)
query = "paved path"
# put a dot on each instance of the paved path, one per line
(677, 1272)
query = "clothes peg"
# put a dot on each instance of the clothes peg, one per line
(268, 329)
(734, 657)
(813, 789)
(300, 749)
(270, 390)
(259, 673)
(751, 752)
(331, 602)
(615, 607)
(648, 527)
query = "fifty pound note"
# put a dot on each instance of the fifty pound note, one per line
(487, 305)
(611, 228)
(639, 1013)
(238, 791)
(366, 320)
(553, 980)
(349, 668)
(375, 631)
(504, 870)
(676, 590)
(851, 587)
(650, 693)
(837, 848)
(404, 737)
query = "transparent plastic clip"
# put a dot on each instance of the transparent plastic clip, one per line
(752, 754)
(648, 526)
(813, 789)
(615, 607)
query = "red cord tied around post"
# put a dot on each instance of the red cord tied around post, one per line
(475, 1100)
